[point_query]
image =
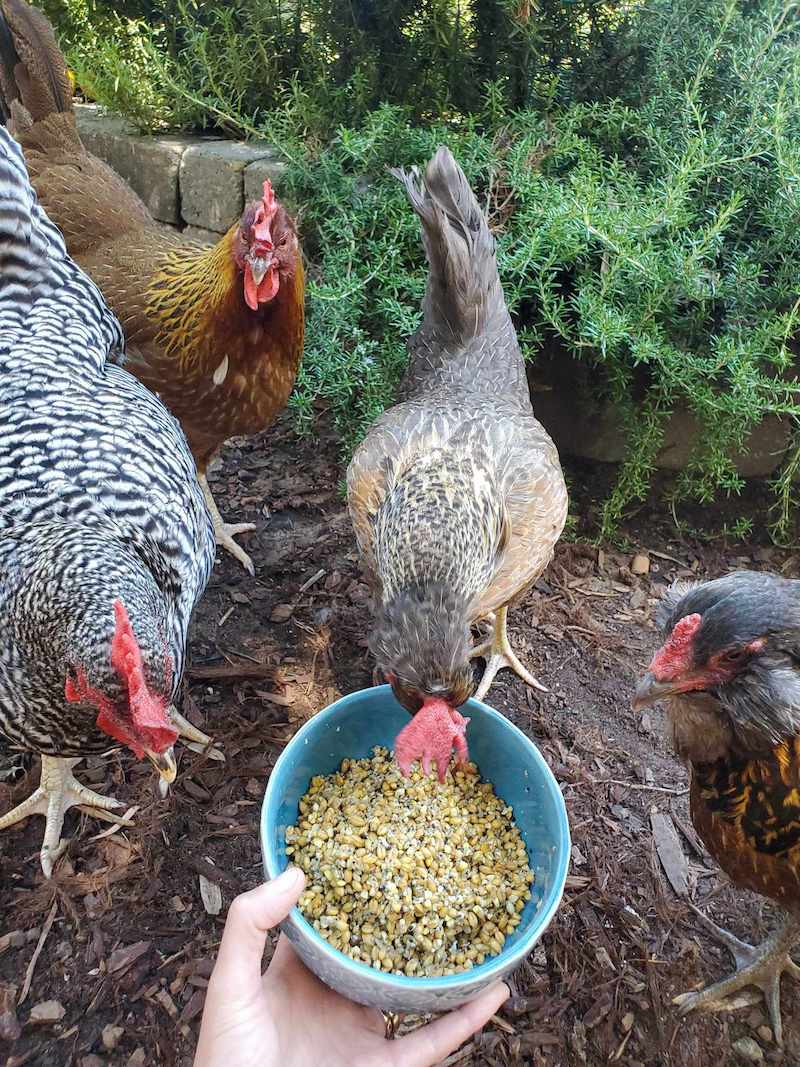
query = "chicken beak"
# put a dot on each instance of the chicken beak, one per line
(259, 265)
(164, 763)
(650, 690)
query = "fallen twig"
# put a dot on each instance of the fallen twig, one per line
(638, 785)
(233, 670)
(26, 985)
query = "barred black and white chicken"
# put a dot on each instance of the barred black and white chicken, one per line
(106, 543)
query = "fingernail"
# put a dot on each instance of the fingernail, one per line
(289, 879)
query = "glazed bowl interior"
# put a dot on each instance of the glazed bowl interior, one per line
(351, 728)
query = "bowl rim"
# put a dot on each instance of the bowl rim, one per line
(483, 973)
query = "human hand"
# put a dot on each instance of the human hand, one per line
(288, 1017)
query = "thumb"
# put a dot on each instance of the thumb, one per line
(250, 916)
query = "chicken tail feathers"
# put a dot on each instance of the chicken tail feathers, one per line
(33, 72)
(464, 291)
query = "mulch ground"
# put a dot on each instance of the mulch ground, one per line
(113, 955)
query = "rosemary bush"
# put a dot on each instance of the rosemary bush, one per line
(643, 184)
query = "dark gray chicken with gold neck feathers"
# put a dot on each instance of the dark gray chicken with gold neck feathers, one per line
(456, 494)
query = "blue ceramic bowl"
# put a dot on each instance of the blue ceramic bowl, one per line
(350, 728)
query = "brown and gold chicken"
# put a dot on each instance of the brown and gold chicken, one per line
(729, 670)
(456, 494)
(216, 331)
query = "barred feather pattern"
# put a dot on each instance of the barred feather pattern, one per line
(99, 497)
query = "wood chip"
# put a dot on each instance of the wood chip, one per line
(167, 1003)
(282, 613)
(47, 1011)
(598, 1011)
(211, 894)
(193, 1006)
(640, 564)
(122, 959)
(281, 699)
(10, 1028)
(111, 1036)
(668, 846)
(13, 939)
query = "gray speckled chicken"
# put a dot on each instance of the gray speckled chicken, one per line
(106, 543)
(456, 494)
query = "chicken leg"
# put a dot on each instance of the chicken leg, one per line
(500, 655)
(760, 966)
(225, 532)
(58, 791)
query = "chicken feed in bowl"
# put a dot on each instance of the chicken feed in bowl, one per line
(407, 875)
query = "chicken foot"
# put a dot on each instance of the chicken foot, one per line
(225, 532)
(195, 739)
(500, 655)
(58, 791)
(761, 966)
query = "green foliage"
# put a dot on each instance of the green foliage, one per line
(646, 210)
(188, 64)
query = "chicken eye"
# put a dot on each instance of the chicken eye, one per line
(735, 655)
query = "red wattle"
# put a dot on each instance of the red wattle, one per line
(263, 293)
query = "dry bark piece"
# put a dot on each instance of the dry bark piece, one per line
(193, 1006)
(13, 939)
(748, 1049)
(111, 1035)
(282, 613)
(121, 959)
(668, 846)
(211, 894)
(47, 1012)
(10, 1028)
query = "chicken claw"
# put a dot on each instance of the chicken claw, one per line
(760, 966)
(225, 532)
(500, 655)
(432, 734)
(195, 739)
(58, 791)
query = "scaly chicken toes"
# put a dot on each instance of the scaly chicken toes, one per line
(434, 732)
(761, 966)
(194, 738)
(58, 791)
(498, 654)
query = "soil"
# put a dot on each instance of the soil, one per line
(126, 940)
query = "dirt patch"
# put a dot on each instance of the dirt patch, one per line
(129, 944)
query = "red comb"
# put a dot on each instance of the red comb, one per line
(675, 656)
(265, 213)
(147, 711)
